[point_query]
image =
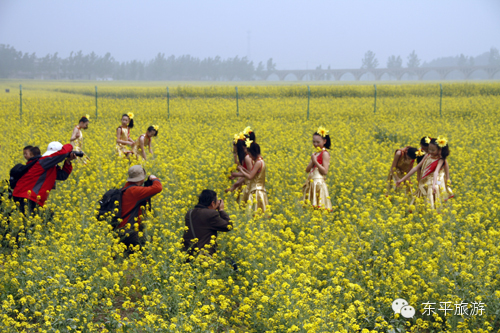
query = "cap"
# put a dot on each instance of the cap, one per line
(52, 148)
(136, 173)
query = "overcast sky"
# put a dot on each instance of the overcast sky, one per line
(296, 34)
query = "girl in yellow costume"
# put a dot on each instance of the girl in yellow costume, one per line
(315, 189)
(402, 163)
(432, 186)
(257, 176)
(424, 149)
(145, 140)
(77, 137)
(246, 162)
(123, 136)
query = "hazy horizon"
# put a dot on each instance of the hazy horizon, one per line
(295, 35)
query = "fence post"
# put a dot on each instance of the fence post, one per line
(308, 100)
(440, 100)
(20, 101)
(237, 107)
(168, 104)
(95, 102)
(375, 103)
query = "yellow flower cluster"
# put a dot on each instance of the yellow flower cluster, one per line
(299, 269)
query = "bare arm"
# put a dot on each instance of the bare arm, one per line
(149, 145)
(118, 140)
(75, 135)
(447, 171)
(436, 174)
(412, 171)
(397, 155)
(310, 165)
(253, 172)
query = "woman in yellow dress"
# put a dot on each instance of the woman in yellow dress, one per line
(432, 186)
(145, 141)
(77, 137)
(123, 136)
(424, 149)
(246, 162)
(315, 189)
(402, 163)
(257, 176)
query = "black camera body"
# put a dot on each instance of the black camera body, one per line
(77, 153)
(148, 182)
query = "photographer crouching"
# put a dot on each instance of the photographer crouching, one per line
(135, 196)
(33, 187)
(203, 222)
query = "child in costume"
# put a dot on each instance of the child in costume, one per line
(145, 140)
(315, 189)
(432, 186)
(123, 139)
(257, 175)
(402, 163)
(246, 162)
(77, 138)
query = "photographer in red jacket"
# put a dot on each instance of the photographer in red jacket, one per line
(35, 185)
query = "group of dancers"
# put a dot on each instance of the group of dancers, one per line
(432, 166)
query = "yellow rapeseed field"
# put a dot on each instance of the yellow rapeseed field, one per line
(300, 269)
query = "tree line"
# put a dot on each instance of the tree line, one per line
(491, 58)
(79, 66)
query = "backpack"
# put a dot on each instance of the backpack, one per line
(108, 206)
(18, 171)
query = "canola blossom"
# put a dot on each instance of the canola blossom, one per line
(300, 269)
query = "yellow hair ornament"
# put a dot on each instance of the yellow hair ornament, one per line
(322, 131)
(441, 141)
(87, 116)
(156, 127)
(247, 130)
(130, 115)
(420, 152)
(248, 143)
(427, 140)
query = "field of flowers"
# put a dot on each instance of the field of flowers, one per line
(300, 269)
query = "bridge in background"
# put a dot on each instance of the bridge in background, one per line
(492, 72)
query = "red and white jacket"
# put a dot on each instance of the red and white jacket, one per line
(36, 184)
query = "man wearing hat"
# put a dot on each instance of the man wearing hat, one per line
(134, 197)
(35, 185)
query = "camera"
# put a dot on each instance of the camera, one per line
(78, 153)
(148, 182)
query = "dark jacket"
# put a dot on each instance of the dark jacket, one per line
(36, 184)
(206, 222)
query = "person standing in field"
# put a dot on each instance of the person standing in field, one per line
(424, 149)
(33, 188)
(315, 189)
(402, 163)
(123, 139)
(77, 137)
(257, 175)
(145, 141)
(246, 162)
(432, 186)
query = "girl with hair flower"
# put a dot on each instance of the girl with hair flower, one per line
(432, 186)
(246, 162)
(315, 189)
(145, 140)
(123, 135)
(424, 148)
(257, 175)
(401, 165)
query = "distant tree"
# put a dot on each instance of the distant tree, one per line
(494, 58)
(259, 71)
(413, 61)
(369, 61)
(462, 60)
(471, 61)
(394, 62)
(270, 65)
